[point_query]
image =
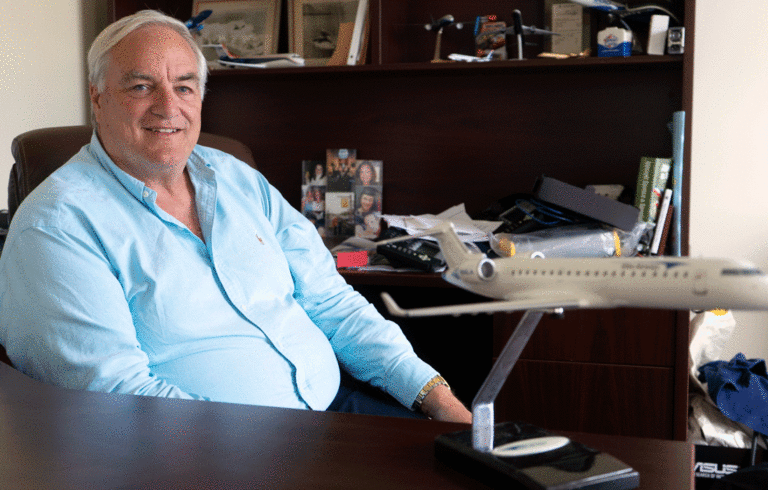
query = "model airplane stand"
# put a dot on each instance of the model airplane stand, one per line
(520, 455)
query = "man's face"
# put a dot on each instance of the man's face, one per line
(148, 114)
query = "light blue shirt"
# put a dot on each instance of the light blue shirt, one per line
(100, 289)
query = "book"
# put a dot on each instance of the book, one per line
(662, 223)
(666, 231)
(652, 178)
(490, 37)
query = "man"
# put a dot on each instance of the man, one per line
(152, 266)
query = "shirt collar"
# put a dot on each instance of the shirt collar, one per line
(138, 189)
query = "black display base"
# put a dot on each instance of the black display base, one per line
(571, 466)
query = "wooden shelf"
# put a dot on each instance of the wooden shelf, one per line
(425, 69)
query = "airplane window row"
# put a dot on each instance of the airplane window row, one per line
(604, 273)
(742, 272)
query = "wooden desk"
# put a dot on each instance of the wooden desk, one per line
(55, 438)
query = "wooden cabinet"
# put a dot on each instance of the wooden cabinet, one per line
(452, 133)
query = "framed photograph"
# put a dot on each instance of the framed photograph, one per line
(247, 28)
(315, 27)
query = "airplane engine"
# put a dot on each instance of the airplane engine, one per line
(486, 269)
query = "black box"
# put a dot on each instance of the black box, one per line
(586, 203)
(714, 462)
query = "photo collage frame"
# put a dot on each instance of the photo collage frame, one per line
(342, 195)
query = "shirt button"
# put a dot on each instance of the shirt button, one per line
(145, 194)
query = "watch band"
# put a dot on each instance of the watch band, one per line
(434, 382)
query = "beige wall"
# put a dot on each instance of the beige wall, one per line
(42, 83)
(42, 68)
(729, 181)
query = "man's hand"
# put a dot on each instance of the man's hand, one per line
(441, 404)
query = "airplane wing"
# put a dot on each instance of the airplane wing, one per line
(546, 302)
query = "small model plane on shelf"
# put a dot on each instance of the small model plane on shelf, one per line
(226, 58)
(622, 11)
(518, 30)
(438, 26)
(677, 283)
(196, 22)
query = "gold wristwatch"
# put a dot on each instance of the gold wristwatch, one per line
(434, 382)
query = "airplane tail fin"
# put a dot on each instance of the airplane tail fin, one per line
(453, 249)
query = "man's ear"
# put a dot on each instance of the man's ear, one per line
(95, 96)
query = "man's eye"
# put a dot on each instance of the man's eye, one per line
(139, 88)
(185, 90)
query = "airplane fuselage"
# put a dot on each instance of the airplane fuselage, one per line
(668, 283)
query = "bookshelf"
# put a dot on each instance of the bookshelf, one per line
(450, 133)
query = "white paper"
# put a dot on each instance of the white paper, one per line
(469, 230)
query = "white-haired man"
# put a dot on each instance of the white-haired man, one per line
(153, 266)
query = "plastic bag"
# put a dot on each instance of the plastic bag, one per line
(580, 240)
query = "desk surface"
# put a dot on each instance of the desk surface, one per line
(55, 438)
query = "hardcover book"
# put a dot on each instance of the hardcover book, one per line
(652, 179)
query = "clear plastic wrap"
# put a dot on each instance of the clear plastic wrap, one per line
(581, 240)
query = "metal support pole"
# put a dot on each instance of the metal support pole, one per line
(482, 405)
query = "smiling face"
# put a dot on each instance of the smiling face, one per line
(366, 202)
(148, 115)
(366, 174)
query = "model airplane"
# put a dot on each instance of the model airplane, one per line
(196, 22)
(677, 283)
(620, 10)
(471, 59)
(438, 26)
(443, 22)
(227, 58)
(518, 30)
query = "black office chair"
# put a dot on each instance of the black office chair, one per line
(39, 152)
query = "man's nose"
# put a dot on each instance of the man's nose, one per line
(166, 104)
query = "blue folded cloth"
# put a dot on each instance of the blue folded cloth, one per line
(739, 388)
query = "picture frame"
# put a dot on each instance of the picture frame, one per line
(317, 27)
(248, 28)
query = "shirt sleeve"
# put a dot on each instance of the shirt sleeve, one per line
(66, 319)
(368, 346)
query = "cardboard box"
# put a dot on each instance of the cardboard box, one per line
(657, 34)
(614, 41)
(572, 23)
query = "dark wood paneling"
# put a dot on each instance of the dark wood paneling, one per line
(599, 398)
(181, 9)
(453, 135)
(621, 336)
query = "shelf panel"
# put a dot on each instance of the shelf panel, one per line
(421, 69)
